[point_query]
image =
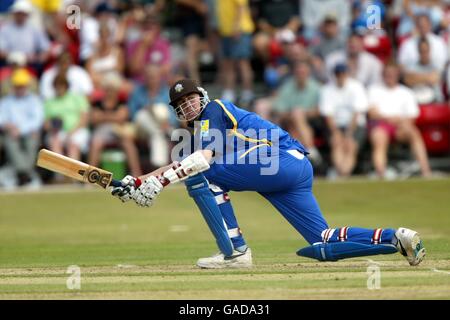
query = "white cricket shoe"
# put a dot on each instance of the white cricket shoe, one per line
(410, 245)
(219, 261)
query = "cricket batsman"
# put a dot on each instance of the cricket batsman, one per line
(236, 150)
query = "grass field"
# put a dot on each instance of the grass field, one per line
(125, 252)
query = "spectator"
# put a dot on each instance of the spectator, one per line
(280, 65)
(191, 18)
(19, 35)
(102, 14)
(313, 13)
(296, 106)
(150, 48)
(343, 103)
(149, 109)
(423, 77)
(409, 50)
(362, 66)
(274, 17)
(21, 119)
(392, 110)
(235, 29)
(329, 40)
(412, 8)
(107, 61)
(66, 120)
(79, 80)
(109, 119)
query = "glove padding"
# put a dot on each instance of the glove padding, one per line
(147, 192)
(126, 191)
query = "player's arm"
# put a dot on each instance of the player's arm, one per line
(207, 155)
(144, 189)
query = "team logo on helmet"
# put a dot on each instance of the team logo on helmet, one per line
(179, 87)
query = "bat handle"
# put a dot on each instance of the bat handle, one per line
(116, 183)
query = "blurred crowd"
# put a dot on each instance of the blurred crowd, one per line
(80, 77)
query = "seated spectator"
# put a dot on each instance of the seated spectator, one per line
(107, 61)
(408, 53)
(279, 68)
(150, 111)
(150, 48)
(392, 111)
(313, 12)
(21, 120)
(77, 77)
(66, 120)
(274, 17)
(362, 66)
(14, 61)
(109, 120)
(295, 107)
(329, 40)
(412, 8)
(343, 103)
(18, 35)
(423, 77)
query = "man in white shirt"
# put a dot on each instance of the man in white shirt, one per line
(409, 51)
(392, 111)
(19, 35)
(424, 78)
(343, 103)
(79, 80)
(21, 120)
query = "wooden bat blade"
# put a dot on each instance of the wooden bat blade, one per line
(75, 169)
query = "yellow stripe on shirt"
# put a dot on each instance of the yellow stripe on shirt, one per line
(235, 124)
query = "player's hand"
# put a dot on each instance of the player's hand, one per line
(126, 191)
(147, 192)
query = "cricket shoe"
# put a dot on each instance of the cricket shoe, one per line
(220, 261)
(410, 245)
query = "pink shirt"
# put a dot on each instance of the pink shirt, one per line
(158, 53)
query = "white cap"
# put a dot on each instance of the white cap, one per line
(17, 57)
(22, 6)
(285, 36)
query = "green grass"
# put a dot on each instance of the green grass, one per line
(132, 253)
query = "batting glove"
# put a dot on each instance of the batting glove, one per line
(147, 192)
(127, 190)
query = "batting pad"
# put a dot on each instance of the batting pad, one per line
(198, 189)
(341, 250)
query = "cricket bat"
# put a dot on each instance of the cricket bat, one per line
(75, 169)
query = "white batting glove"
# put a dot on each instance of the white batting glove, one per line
(147, 192)
(127, 190)
(191, 165)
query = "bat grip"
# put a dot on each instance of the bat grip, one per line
(116, 183)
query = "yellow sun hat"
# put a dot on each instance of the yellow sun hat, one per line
(21, 77)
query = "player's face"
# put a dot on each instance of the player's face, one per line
(189, 107)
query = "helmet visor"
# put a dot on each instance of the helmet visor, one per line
(189, 107)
